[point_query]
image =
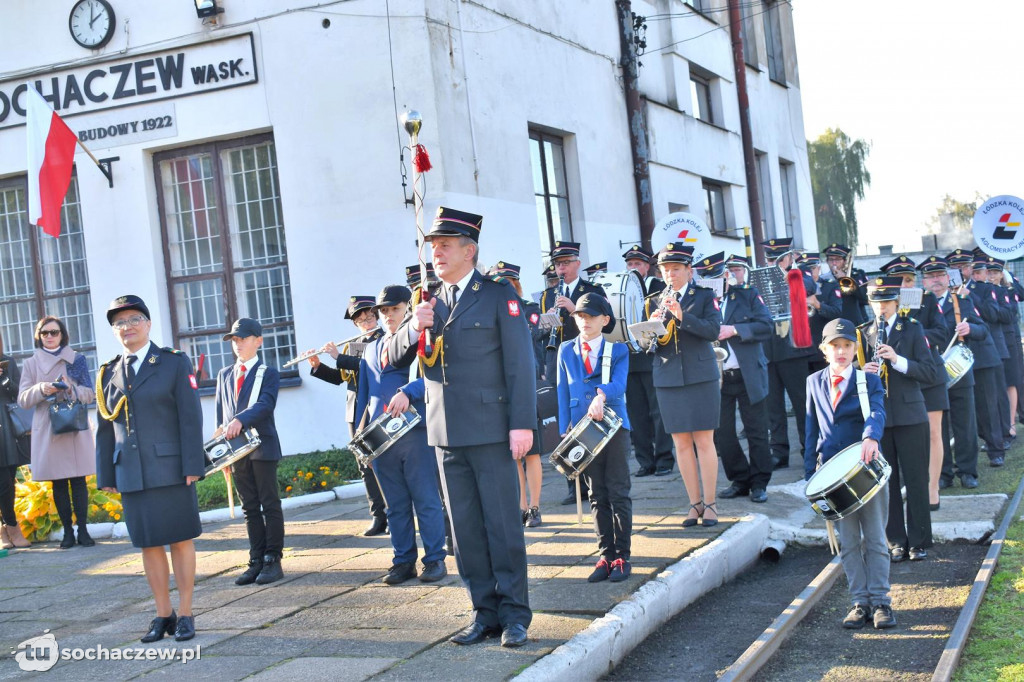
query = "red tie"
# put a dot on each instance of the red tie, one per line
(836, 380)
(586, 357)
(241, 380)
(384, 358)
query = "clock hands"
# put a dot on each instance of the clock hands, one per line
(92, 17)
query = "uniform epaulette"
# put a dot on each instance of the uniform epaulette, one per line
(172, 350)
(111, 361)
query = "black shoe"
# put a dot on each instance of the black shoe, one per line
(883, 617)
(513, 635)
(474, 634)
(271, 570)
(996, 462)
(1006, 445)
(734, 490)
(620, 570)
(934, 507)
(968, 481)
(533, 519)
(249, 576)
(643, 471)
(160, 627)
(857, 617)
(897, 554)
(918, 554)
(399, 573)
(663, 472)
(758, 495)
(68, 541)
(524, 514)
(600, 572)
(779, 464)
(378, 527)
(943, 484)
(84, 539)
(186, 629)
(704, 520)
(433, 571)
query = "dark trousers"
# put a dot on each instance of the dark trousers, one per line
(986, 406)
(652, 446)
(374, 498)
(786, 377)
(906, 449)
(482, 489)
(610, 505)
(961, 421)
(407, 473)
(7, 495)
(63, 500)
(758, 471)
(256, 482)
(1003, 402)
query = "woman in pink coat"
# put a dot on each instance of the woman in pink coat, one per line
(63, 458)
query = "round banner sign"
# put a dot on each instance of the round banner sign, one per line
(686, 228)
(998, 227)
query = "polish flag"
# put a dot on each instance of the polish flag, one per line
(51, 155)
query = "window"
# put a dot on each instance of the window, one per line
(42, 275)
(787, 182)
(700, 93)
(748, 34)
(701, 6)
(550, 187)
(224, 249)
(773, 42)
(764, 195)
(714, 206)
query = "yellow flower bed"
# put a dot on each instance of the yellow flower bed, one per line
(37, 513)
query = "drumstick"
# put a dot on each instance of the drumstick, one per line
(579, 502)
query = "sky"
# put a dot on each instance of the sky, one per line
(936, 87)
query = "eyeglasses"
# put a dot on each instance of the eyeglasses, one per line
(133, 321)
(49, 332)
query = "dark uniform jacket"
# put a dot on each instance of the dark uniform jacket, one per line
(854, 303)
(688, 358)
(904, 403)
(831, 307)
(568, 330)
(13, 451)
(259, 413)
(347, 363)
(986, 301)
(641, 362)
(978, 341)
(482, 384)
(778, 348)
(938, 332)
(745, 310)
(157, 438)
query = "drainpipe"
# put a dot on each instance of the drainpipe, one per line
(749, 160)
(637, 125)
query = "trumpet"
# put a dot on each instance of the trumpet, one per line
(308, 354)
(848, 285)
(553, 337)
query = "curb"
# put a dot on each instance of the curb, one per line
(596, 650)
(341, 492)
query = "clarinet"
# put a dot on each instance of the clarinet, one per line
(553, 337)
(663, 307)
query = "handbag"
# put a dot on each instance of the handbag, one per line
(68, 415)
(21, 419)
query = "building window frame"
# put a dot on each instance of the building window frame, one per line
(773, 42)
(790, 206)
(701, 97)
(764, 194)
(63, 258)
(229, 244)
(748, 33)
(714, 206)
(542, 146)
(702, 7)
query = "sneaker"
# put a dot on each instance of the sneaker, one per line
(433, 571)
(601, 571)
(884, 617)
(533, 517)
(856, 618)
(399, 573)
(620, 570)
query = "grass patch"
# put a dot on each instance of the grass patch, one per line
(1001, 480)
(296, 475)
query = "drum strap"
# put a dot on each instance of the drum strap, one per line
(257, 384)
(606, 362)
(862, 393)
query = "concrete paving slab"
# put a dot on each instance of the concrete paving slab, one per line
(327, 669)
(372, 642)
(220, 668)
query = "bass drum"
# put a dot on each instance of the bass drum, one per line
(625, 291)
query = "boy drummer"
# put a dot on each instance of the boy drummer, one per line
(835, 420)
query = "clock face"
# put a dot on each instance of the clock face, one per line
(91, 23)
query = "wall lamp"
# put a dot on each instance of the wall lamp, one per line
(207, 8)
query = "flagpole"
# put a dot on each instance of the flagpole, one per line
(103, 169)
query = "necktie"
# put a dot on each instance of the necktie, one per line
(836, 380)
(454, 298)
(586, 357)
(384, 358)
(240, 381)
(129, 371)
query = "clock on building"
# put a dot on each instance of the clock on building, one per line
(91, 23)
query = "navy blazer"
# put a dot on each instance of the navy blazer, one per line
(745, 310)
(260, 412)
(688, 358)
(979, 341)
(986, 301)
(165, 442)
(576, 388)
(904, 402)
(377, 386)
(833, 430)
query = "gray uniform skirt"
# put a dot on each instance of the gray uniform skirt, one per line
(162, 516)
(695, 407)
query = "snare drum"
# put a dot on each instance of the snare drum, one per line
(222, 453)
(380, 434)
(844, 484)
(625, 291)
(583, 443)
(958, 360)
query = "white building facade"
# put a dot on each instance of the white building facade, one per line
(258, 169)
